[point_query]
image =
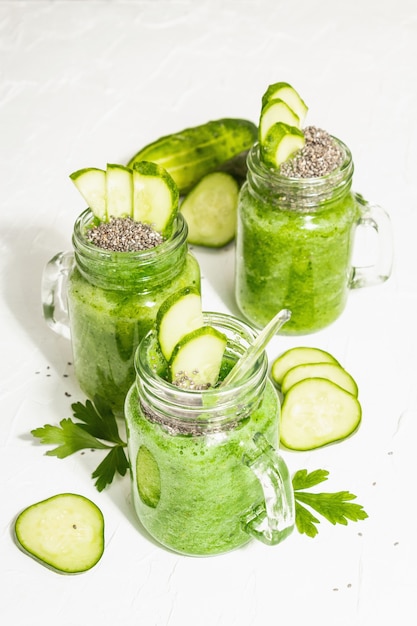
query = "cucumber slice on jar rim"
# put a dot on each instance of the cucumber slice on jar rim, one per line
(64, 532)
(91, 183)
(197, 358)
(281, 143)
(276, 110)
(287, 93)
(155, 196)
(119, 191)
(178, 315)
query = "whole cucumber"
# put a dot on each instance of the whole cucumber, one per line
(192, 153)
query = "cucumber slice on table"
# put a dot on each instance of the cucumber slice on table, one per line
(178, 315)
(91, 183)
(274, 111)
(316, 412)
(298, 356)
(210, 210)
(281, 142)
(64, 532)
(331, 371)
(119, 191)
(197, 358)
(190, 154)
(287, 93)
(155, 196)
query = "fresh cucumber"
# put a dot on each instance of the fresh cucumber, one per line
(298, 356)
(196, 360)
(287, 93)
(210, 210)
(280, 143)
(148, 477)
(91, 183)
(155, 196)
(316, 412)
(330, 371)
(274, 111)
(178, 315)
(192, 153)
(119, 191)
(64, 532)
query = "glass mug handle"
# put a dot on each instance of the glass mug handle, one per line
(375, 217)
(54, 292)
(273, 520)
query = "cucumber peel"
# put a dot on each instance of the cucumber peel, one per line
(178, 315)
(210, 210)
(190, 154)
(64, 532)
(316, 412)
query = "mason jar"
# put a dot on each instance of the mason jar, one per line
(106, 301)
(295, 243)
(206, 473)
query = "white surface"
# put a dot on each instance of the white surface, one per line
(86, 83)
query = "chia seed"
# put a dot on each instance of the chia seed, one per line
(319, 156)
(122, 234)
(183, 381)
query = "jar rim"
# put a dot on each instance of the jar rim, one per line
(191, 410)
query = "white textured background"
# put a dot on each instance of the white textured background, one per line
(83, 83)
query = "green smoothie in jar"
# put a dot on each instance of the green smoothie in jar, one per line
(202, 461)
(295, 243)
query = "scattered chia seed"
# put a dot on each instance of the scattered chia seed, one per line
(319, 156)
(122, 234)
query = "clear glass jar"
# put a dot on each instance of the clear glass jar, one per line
(105, 302)
(206, 474)
(295, 241)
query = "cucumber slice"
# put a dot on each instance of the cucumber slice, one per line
(287, 93)
(192, 153)
(91, 183)
(119, 191)
(197, 358)
(179, 314)
(281, 142)
(316, 412)
(148, 477)
(64, 532)
(210, 210)
(330, 371)
(276, 111)
(155, 196)
(298, 356)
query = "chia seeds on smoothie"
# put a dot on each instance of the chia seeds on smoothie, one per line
(122, 234)
(319, 156)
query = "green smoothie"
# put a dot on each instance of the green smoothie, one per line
(192, 486)
(294, 247)
(113, 299)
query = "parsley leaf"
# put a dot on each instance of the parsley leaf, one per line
(96, 425)
(336, 507)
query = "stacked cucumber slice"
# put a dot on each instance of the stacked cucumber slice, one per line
(320, 398)
(194, 351)
(280, 125)
(145, 193)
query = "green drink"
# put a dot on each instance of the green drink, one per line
(202, 461)
(294, 245)
(113, 298)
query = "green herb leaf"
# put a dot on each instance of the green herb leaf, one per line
(336, 507)
(96, 425)
(70, 437)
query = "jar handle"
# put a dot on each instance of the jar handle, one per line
(272, 520)
(375, 217)
(54, 293)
